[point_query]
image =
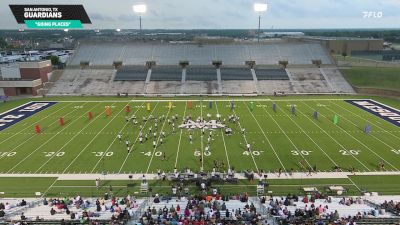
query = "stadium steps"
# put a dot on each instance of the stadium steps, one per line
(148, 77)
(336, 77)
(331, 86)
(291, 81)
(219, 81)
(56, 74)
(253, 73)
(113, 77)
(183, 81)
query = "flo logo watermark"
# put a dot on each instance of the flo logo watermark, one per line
(372, 14)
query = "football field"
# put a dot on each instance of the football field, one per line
(282, 139)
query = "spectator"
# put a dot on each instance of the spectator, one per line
(52, 211)
(23, 203)
(7, 206)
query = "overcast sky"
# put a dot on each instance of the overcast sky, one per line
(226, 14)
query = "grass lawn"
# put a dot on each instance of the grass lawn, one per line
(380, 78)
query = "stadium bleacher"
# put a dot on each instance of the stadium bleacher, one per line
(200, 77)
(338, 82)
(166, 73)
(37, 211)
(240, 73)
(208, 73)
(170, 54)
(131, 73)
(271, 74)
(333, 210)
(309, 80)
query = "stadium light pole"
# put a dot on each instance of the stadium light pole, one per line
(140, 9)
(260, 8)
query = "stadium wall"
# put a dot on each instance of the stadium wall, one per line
(27, 79)
(10, 91)
(347, 46)
(36, 70)
(340, 45)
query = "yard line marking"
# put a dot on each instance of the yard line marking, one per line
(348, 177)
(337, 142)
(130, 150)
(354, 138)
(245, 139)
(49, 188)
(29, 126)
(375, 124)
(266, 138)
(223, 138)
(92, 139)
(391, 148)
(308, 136)
(123, 128)
(158, 139)
(180, 137)
(69, 141)
(362, 142)
(290, 140)
(47, 140)
(26, 140)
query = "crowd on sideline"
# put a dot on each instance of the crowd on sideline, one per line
(78, 209)
(391, 206)
(200, 210)
(313, 213)
(4, 207)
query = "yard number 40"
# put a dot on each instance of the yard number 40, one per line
(397, 152)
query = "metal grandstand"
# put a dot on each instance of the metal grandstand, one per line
(131, 73)
(171, 54)
(193, 69)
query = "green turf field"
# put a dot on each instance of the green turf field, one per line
(279, 140)
(28, 186)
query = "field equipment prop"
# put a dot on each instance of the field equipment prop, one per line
(37, 128)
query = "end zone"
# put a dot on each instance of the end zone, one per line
(387, 113)
(22, 112)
